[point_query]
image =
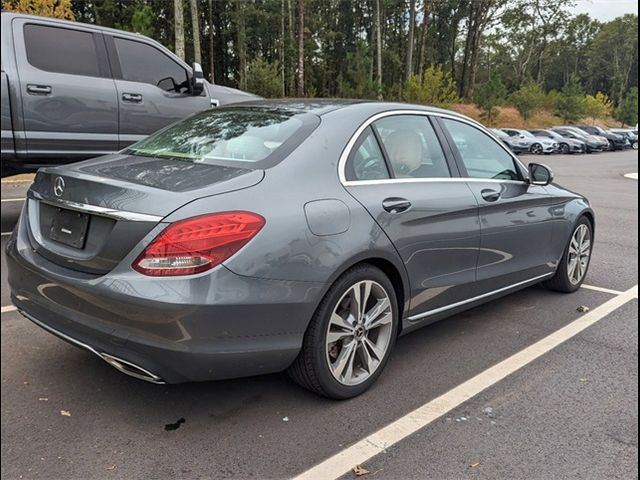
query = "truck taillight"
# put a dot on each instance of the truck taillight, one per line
(198, 244)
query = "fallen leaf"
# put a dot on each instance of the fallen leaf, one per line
(583, 380)
(583, 309)
(43, 399)
(474, 465)
(359, 471)
(65, 413)
(112, 467)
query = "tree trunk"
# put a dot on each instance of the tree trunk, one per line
(178, 7)
(242, 45)
(213, 70)
(195, 22)
(408, 71)
(422, 52)
(300, 91)
(292, 42)
(378, 50)
(281, 48)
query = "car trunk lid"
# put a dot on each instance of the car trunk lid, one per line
(88, 216)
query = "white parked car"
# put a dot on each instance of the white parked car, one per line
(536, 145)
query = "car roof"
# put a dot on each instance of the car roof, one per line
(322, 106)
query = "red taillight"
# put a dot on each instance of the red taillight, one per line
(198, 244)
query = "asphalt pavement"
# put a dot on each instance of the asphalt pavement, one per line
(571, 412)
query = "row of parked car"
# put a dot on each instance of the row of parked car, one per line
(568, 139)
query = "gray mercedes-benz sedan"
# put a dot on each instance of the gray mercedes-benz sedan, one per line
(298, 235)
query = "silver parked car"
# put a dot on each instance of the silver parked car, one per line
(537, 145)
(298, 235)
(565, 144)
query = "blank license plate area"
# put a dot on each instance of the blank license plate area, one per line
(69, 227)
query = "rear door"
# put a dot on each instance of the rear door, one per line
(399, 172)
(515, 217)
(69, 103)
(152, 87)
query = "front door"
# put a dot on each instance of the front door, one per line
(153, 89)
(515, 218)
(399, 172)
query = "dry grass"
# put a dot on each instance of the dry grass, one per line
(509, 117)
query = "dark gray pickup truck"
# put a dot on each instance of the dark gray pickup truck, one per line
(72, 91)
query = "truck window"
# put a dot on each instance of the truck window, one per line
(143, 63)
(61, 50)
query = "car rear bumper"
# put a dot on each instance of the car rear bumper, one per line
(205, 327)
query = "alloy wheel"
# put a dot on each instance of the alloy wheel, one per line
(579, 253)
(359, 332)
(564, 148)
(536, 149)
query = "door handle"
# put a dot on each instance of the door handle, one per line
(132, 97)
(396, 205)
(490, 195)
(39, 89)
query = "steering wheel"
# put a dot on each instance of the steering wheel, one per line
(507, 173)
(369, 168)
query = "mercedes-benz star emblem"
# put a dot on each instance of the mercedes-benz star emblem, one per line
(58, 186)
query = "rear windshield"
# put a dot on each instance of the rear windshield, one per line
(238, 136)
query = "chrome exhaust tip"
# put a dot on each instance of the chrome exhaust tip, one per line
(131, 369)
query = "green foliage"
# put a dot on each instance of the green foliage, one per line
(528, 100)
(436, 87)
(627, 111)
(356, 82)
(489, 95)
(598, 106)
(570, 103)
(263, 78)
(142, 21)
(44, 8)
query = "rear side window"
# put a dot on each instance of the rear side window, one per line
(481, 155)
(238, 136)
(412, 147)
(61, 50)
(366, 161)
(143, 63)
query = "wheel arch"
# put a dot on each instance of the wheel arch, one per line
(391, 266)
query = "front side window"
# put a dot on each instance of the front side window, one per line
(481, 155)
(234, 135)
(366, 162)
(143, 63)
(61, 50)
(412, 147)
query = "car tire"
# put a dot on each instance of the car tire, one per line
(314, 370)
(564, 149)
(565, 279)
(536, 149)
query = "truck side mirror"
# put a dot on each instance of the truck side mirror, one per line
(197, 80)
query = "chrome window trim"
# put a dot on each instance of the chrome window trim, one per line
(346, 153)
(96, 210)
(435, 311)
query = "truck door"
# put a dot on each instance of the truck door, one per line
(153, 88)
(69, 102)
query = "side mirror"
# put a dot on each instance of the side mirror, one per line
(197, 80)
(540, 174)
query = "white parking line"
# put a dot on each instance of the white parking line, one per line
(633, 176)
(603, 290)
(12, 200)
(6, 233)
(9, 308)
(376, 443)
